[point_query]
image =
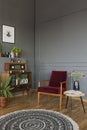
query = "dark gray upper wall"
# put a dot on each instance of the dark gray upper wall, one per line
(51, 9)
(20, 14)
(61, 28)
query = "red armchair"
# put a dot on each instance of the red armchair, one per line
(55, 86)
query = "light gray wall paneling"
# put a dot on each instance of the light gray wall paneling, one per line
(20, 14)
(61, 39)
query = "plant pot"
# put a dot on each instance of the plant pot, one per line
(2, 102)
(17, 55)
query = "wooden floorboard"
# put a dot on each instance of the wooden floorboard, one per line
(30, 102)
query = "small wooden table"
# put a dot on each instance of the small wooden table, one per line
(71, 94)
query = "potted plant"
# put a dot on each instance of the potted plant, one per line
(0, 49)
(5, 91)
(76, 76)
(17, 51)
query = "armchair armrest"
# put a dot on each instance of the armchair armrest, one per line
(64, 82)
(61, 85)
(46, 82)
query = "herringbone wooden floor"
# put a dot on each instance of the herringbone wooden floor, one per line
(30, 102)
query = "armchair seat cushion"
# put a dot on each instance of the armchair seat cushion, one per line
(50, 89)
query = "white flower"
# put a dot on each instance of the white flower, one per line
(77, 75)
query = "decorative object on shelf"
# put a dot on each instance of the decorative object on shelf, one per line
(18, 80)
(5, 91)
(24, 81)
(18, 60)
(0, 49)
(8, 34)
(76, 76)
(12, 55)
(5, 54)
(17, 51)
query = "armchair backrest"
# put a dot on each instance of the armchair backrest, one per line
(57, 77)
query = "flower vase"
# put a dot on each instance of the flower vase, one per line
(76, 85)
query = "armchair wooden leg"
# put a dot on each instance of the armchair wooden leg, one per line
(38, 98)
(60, 103)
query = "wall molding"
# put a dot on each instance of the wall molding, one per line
(79, 66)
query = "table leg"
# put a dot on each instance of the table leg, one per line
(70, 106)
(67, 99)
(70, 102)
(82, 104)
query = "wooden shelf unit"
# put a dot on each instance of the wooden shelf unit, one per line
(21, 79)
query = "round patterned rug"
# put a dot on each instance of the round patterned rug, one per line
(37, 119)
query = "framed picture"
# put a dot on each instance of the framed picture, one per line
(8, 34)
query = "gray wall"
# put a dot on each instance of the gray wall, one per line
(61, 35)
(20, 14)
(61, 38)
